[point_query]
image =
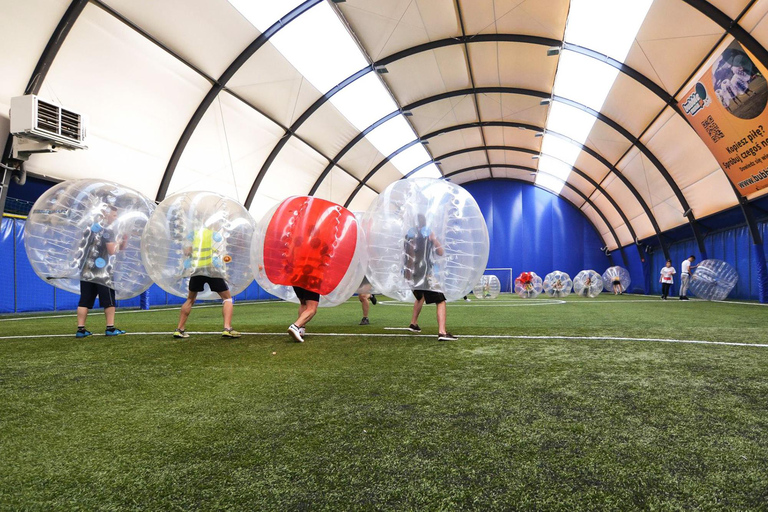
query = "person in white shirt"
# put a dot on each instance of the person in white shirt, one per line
(666, 279)
(685, 276)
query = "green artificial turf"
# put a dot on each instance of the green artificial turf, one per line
(394, 421)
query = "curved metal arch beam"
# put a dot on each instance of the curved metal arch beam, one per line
(219, 86)
(432, 45)
(577, 191)
(586, 149)
(579, 172)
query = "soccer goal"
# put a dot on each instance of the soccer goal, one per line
(505, 277)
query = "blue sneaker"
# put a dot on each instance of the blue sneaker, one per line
(114, 332)
(83, 334)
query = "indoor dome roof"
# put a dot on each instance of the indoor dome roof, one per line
(260, 100)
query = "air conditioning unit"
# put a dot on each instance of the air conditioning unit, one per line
(48, 123)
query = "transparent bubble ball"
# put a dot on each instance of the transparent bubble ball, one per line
(425, 234)
(618, 275)
(713, 280)
(89, 230)
(198, 234)
(528, 285)
(587, 283)
(312, 243)
(489, 287)
(557, 284)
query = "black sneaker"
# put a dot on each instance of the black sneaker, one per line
(414, 328)
(446, 336)
(374, 300)
(365, 321)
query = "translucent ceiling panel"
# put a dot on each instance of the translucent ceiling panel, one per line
(268, 81)
(320, 47)
(430, 171)
(364, 101)
(606, 26)
(549, 182)
(362, 200)
(584, 79)
(138, 98)
(226, 150)
(559, 148)
(293, 172)
(208, 35)
(264, 13)
(411, 158)
(391, 135)
(337, 186)
(570, 121)
(25, 28)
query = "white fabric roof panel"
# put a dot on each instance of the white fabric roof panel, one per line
(512, 65)
(143, 102)
(592, 167)
(673, 40)
(511, 158)
(428, 73)
(601, 202)
(337, 186)
(361, 158)
(466, 177)
(208, 35)
(25, 28)
(362, 200)
(730, 7)
(609, 143)
(710, 194)
(544, 18)
(327, 130)
(444, 113)
(511, 136)
(755, 23)
(459, 139)
(385, 28)
(226, 150)
(386, 175)
(631, 104)
(294, 171)
(269, 82)
(502, 172)
(572, 197)
(463, 161)
(512, 107)
(621, 194)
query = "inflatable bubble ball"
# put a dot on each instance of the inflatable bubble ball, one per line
(528, 285)
(557, 284)
(310, 243)
(489, 287)
(89, 230)
(713, 280)
(587, 283)
(198, 234)
(425, 234)
(616, 279)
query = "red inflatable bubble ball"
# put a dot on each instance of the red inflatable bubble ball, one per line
(310, 243)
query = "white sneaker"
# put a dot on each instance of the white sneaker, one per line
(295, 333)
(302, 331)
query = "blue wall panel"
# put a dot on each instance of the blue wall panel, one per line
(8, 274)
(532, 229)
(32, 294)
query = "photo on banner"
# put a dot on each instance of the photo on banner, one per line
(726, 106)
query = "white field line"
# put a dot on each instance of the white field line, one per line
(462, 336)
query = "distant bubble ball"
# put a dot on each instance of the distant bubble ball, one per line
(587, 283)
(616, 275)
(198, 233)
(425, 234)
(713, 280)
(310, 243)
(528, 285)
(489, 287)
(89, 230)
(557, 284)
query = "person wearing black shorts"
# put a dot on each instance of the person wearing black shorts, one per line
(201, 260)
(308, 302)
(103, 244)
(420, 242)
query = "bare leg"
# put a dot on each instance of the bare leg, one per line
(109, 313)
(306, 312)
(363, 298)
(441, 313)
(417, 310)
(186, 309)
(227, 308)
(82, 314)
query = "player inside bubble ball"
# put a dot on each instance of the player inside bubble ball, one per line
(102, 245)
(526, 279)
(205, 266)
(421, 249)
(617, 288)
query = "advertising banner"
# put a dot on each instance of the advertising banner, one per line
(727, 108)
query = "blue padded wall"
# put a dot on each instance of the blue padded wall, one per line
(533, 229)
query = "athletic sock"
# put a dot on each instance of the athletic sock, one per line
(110, 327)
(80, 328)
